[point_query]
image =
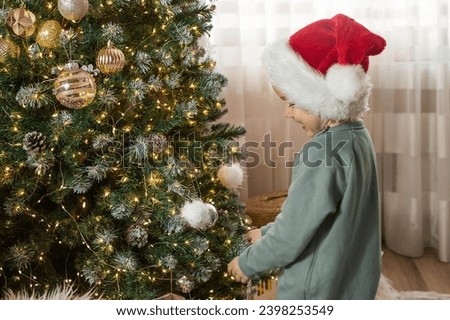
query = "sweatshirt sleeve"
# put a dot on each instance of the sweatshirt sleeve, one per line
(266, 228)
(314, 193)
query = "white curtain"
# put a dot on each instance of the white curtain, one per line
(410, 117)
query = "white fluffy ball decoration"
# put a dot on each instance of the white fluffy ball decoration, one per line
(231, 176)
(347, 82)
(199, 215)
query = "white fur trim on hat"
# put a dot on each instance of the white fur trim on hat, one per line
(342, 94)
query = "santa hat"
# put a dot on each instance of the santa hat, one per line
(322, 67)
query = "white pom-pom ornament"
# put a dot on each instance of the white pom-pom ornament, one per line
(199, 215)
(231, 176)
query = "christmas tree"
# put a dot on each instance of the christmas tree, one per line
(116, 174)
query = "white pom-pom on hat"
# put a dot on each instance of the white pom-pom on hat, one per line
(231, 176)
(199, 215)
(347, 83)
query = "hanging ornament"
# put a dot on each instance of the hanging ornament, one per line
(48, 34)
(8, 48)
(73, 9)
(199, 215)
(185, 284)
(171, 296)
(231, 176)
(136, 236)
(110, 60)
(21, 22)
(34, 143)
(74, 88)
(157, 143)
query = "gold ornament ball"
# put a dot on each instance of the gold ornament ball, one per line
(110, 60)
(21, 22)
(48, 34)
(8, 48)
(74, 88)
(73, 9)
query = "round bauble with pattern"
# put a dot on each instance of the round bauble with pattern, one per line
(74, 88)
(20, 22)
(110, 60)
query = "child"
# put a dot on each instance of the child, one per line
(326, 239)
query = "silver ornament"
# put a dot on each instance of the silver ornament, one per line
(73, 9)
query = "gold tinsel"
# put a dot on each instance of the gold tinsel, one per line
(74, 88)
(48, 34)
(110, 60)
(21, 22)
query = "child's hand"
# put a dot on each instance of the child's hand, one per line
(235, 271)
(253, 235)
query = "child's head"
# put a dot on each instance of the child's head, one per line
(322, 68)
(311, 123)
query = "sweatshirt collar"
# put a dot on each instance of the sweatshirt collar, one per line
(354, 125)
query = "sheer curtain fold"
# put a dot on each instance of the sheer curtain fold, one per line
(409, 120)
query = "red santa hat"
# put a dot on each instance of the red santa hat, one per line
(322, 67)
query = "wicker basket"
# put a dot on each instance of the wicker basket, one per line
(265, 207)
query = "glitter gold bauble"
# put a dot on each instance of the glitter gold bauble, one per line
(110, 60)
(73, 9)
(74, 88)
(8, 48)
(21, 22)
(48, 34)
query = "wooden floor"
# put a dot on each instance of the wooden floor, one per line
(426, 273)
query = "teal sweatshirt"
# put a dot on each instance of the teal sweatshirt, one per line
(326, 239)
